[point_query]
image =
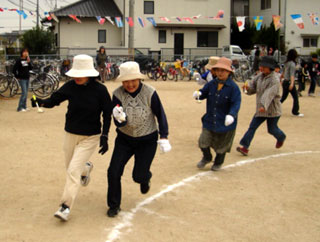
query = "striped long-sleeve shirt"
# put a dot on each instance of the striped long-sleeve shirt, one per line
(267, 90)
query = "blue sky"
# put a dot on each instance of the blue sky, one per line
(9, 21)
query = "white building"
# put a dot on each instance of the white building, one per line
(303, 40)
(204, 36)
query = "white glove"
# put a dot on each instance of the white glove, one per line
(118, 114)
(229, 120)
(197, 94)
(164, 145)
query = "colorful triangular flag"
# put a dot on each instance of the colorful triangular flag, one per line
(119, 22)
(109, 19)
(197, 17)
(297, 18)
(188, 20)
(130, 21)
(141, 22)
(100, 20)
(1, 9)
(74, 17)
(46, 14)
(240, 22)
(276, 22)
(165, 19)
(151, 19)
(54, 17)
(179, 19)
(314, 18)
(258, 21)
(219, 15)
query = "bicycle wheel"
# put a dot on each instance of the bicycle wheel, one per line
(42, 86)
(150, 74)
(170, 75)
(3, 83)
(13, 87)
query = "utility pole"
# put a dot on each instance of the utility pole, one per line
(20, 9)
(279, 52)
(37, 13)
(131, 31)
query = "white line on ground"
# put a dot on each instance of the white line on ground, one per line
(128, 216)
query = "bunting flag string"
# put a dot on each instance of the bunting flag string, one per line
(241, 22)
(276, 22)
(188, 20)
(119, 22)
(22, 13)
(74, 17)
(54, 17)
(151, 20)
(141, 21)
(297, 18)
(258, 22)
(314, 18)
(130, 21)
(46, 14)
(109, 19)
(165, 19)
(100, 20)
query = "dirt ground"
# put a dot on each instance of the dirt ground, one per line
(273, 195)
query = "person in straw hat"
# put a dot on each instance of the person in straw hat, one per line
(220, 120)
(266, 86)
(210, 74)
(88, 99)
(136, 108)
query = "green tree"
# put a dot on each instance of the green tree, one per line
(38, 41)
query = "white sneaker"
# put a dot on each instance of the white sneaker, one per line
(85, 176)
(62, 213)
(22, 110)
(298, 115)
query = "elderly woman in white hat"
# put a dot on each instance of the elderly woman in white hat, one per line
(88, 99)
(220, 120)
(210, 74)
(136, 108)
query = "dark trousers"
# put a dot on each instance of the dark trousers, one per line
(143, 152)
(272, 124)
(312, 87)
(294, 94)
(218, 160)
(302, 84)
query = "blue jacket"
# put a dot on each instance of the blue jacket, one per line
(219, 104)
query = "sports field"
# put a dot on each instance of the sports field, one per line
(270, 195)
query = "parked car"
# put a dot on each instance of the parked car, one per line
(233, 52)
(142, 59)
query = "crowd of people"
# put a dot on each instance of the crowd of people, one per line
(141, 122)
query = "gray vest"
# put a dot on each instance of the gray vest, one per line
(140, 119)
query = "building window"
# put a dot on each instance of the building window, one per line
(148, 7)
(310, 42)
(102, 36)
(265, 4)
(162, 36)
(207, 39)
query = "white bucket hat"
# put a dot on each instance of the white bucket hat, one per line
(130, 70)
(82, 67)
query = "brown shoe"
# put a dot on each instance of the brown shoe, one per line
(279, 144)
(243, 150)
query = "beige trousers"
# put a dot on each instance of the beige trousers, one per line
(78, 150)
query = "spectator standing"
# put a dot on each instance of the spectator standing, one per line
(288, 84)
(303, 77)
(21, 70)
(314, 69)
(102, 60)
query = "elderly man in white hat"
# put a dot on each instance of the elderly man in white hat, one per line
(88, 99)
(210, 74)
(136, 108)
(220, 120)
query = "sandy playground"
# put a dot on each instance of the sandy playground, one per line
(271, 195)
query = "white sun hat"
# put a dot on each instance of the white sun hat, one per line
(82, 67)
(130, 70)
